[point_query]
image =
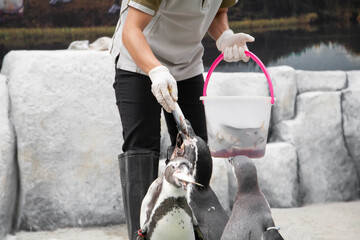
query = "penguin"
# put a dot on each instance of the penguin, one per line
(165, 212)
(251, 215)
(207, 209)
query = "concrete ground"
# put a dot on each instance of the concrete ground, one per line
(340, 221)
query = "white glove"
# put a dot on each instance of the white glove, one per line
(164, 87)
(234, 45)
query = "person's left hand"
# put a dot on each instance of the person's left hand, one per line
(233, 45)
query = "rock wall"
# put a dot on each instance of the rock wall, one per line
(68, 136)
(351, 109)
(327, 172)
(8, 168)
(63, 120)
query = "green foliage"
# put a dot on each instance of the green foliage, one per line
(88, 13)
(261, 25)
(31, 36)
(345, 10)
(77, 13)
(26, 37)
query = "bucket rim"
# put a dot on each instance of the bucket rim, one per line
(255, 58)
(234, 97)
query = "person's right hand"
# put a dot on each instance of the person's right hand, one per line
(164, 87)
(233, 46)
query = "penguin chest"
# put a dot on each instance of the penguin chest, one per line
(176, 224)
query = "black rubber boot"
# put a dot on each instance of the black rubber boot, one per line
(138, 169)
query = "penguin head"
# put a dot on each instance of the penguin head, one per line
(196, 151)
(178, 172)
(245, 173)
(183, 145)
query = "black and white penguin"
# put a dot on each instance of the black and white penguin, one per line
(207, 209)
(251, 215)
(165, 212)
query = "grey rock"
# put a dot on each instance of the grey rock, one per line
(353, 79)
(326, 171)
(285, 90)
(79, 45)
(8, 166)
(320, 80)
(351, 122)
(277, 175)
(100, 44)
(8, 63)
(69, 135)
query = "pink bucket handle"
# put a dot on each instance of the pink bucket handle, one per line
(249, 54)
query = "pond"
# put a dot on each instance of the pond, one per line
(322, 48)
(317, 48)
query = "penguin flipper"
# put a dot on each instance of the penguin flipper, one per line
(149, 201)
(198, 233)
(272, 235)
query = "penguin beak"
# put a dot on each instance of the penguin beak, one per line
(185, 179)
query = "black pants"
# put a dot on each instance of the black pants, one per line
(140, 112)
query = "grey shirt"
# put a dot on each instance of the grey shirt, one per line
(174, 33)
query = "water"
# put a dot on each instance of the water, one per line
(323, 56)
(322, 48)
(317, 48)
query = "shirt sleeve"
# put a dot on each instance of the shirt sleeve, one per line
(228, 3)
(147, 6)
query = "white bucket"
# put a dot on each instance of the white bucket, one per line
(238, 125)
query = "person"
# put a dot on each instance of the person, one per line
(158, 53)
(115, 8)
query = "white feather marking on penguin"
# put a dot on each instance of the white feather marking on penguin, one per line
(191, 187)
(148, 199)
